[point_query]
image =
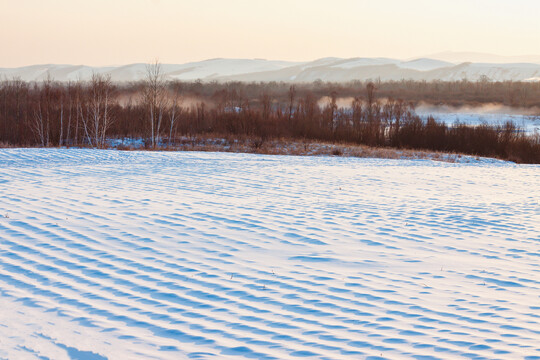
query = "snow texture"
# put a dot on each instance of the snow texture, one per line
(173, 255)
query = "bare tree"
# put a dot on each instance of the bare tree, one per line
(96, 115)
(173, 114)
(38, 125)
(266, 102)
(60, 137)
(155, 99)
(42, 115)
(69, 93)
(291, 97)
(78, 108)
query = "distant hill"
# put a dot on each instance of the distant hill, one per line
(437, 67)
(475, 57)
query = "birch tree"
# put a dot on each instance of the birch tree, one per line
(155, 100)
(173, 113)
(96, 114)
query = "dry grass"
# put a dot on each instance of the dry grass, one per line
(5, 145)
(292, 147)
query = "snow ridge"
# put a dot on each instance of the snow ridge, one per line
(110, 254)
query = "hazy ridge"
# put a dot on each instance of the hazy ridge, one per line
(447, 66)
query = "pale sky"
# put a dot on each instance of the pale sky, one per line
(116, 32)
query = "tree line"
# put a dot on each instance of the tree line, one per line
(89, 113)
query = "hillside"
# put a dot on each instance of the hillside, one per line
(327, 69)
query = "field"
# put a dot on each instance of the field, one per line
(170, 255)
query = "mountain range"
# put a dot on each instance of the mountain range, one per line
(447, 66)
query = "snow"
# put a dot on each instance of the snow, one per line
(417, 64)
(55, 72)
(359, 62)
(325, 69)
(207, 69)
(494, 72)
(529, 123)
(172, 255)
(457, 57)
(226, 67)
(424, 64)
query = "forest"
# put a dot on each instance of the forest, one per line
(160, 112)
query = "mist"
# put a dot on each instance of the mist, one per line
(486, 109)
(341, 102)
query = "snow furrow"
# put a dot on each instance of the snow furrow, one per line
(208, 255)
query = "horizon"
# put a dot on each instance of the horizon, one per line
(102, 33)
(445, 66)
(497, 59)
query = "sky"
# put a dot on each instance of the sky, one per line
(116, 32)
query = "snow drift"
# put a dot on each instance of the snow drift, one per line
(123, 255)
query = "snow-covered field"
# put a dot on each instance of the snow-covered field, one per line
(133, 255)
